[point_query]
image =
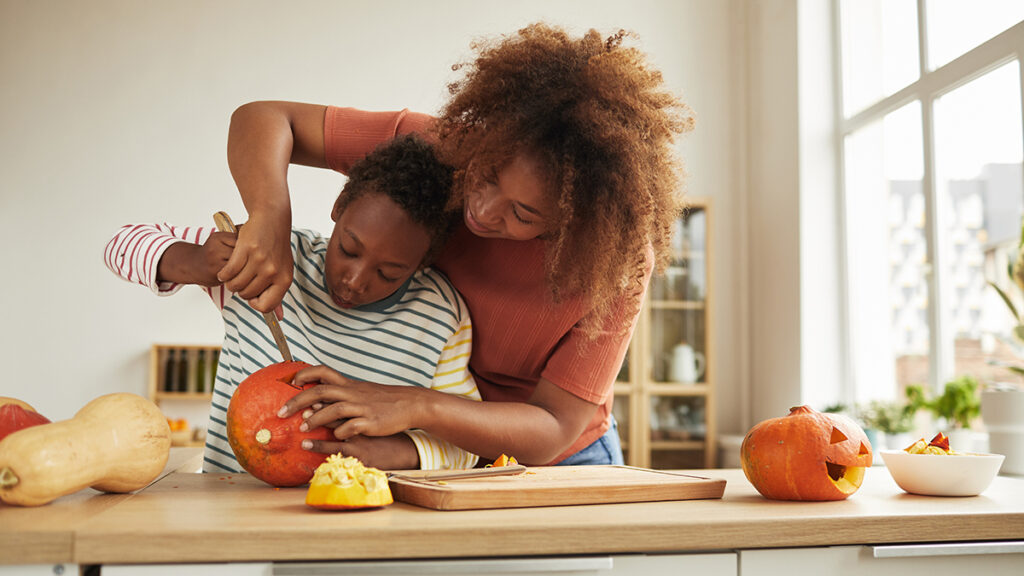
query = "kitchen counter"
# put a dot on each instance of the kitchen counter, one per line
(186, 517)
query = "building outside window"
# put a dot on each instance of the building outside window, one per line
(933, 197)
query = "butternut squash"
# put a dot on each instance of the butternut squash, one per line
(116, 443)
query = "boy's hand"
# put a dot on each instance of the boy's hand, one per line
(396, 452)
(260, 268)
(187, 263)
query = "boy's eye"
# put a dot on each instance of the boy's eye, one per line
(346, 252)
(385, 278)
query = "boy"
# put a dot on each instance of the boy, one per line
(362, 302)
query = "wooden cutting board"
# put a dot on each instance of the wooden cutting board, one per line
(554, 486)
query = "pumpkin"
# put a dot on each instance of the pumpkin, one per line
(116, 443)
(342, 483)
(806, 455)
(503, 460)
(15, 415)
(267, 446)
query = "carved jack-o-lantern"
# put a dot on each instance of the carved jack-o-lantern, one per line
(806, 455)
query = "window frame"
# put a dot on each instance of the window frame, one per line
(1004, 48)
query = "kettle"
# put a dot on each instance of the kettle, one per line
(686, 364)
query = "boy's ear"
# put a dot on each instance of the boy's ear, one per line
(336, 211)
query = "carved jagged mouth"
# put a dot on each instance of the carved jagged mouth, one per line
(846, 478)
(835, 471)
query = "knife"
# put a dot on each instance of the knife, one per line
(509, 470)
(224, 224)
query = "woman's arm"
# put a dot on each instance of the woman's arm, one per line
(535, 432)
(264, 137)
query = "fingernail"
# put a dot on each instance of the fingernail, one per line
(303, 427)
(307, 444)
(282, 412)
(307, 413)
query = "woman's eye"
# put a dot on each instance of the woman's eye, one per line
(515, 212)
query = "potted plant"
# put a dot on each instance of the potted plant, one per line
(958, 406)
(892, 420)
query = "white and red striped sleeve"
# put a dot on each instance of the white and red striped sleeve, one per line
(134, 252)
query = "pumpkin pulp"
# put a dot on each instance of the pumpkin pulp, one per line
(344, 483)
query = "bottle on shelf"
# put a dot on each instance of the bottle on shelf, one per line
(170, 372)
(201, 372)
(182, 375)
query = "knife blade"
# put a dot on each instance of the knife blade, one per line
(224, 224)
(509, 470)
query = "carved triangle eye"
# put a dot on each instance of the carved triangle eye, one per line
(864, 449)
(837, 436)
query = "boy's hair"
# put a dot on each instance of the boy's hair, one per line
(407, 171)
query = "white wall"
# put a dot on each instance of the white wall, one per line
(116, 111)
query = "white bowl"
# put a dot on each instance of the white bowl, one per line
(966, 474)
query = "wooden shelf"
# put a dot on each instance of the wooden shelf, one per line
(158, 396)
(677, 389)
(678, 304)
(198, 384)
(677, 444)
(672, 315)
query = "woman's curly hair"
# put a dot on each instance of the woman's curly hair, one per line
(602, 125)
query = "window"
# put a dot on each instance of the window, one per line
(933, 197)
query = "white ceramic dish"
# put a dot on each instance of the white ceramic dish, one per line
(966, 474)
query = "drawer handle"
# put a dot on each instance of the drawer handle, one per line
(421, 567)
(952, 549)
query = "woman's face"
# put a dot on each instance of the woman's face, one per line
(511, 204)
(374, 249)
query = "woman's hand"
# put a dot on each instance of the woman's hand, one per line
(263, 138)
(353, 407)
(395, 452)
(260, 267)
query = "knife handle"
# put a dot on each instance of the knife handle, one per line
(224, 224)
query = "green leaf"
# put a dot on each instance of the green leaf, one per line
(1009, 303)
(1016, 369)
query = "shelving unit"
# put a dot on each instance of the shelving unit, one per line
(666, 423)
(182, 373)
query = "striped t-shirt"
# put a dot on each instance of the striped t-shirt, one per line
(419, 336)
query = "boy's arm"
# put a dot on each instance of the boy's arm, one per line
(163, 257)
(453, 377)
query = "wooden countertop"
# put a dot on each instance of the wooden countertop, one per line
(187, 517)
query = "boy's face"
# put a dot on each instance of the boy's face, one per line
(374, 249)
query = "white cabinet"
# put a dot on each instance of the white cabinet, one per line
(988, 559)
(718, 564)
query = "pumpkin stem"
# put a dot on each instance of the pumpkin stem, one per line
(8, 479)
(263, 436)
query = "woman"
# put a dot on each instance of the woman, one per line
(567, 184)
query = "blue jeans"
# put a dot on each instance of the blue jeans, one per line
(604, 450)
